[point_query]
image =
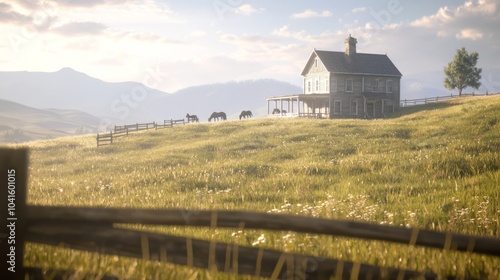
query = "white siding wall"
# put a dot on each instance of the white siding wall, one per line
(320, 83)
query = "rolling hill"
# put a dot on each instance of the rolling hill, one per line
(436, 166)
(20, 123)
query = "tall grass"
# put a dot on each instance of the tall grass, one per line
(435, 166)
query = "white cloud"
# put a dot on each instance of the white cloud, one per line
(81, 28)
(311, 14)
(198, 33)
(245, 9)
(470, 33)
(476, 15)
(313, 40)
(359, 10)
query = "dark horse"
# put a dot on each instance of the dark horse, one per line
(277, 111)
(216, 115)
(246, 114)
(192, 118)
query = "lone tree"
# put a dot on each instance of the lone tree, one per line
(462, 71)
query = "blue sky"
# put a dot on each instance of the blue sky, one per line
(174, 44)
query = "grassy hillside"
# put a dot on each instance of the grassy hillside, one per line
(435, 167)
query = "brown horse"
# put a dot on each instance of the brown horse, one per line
(192, 118)
(217, 115)
(277, 111)
(246, 114)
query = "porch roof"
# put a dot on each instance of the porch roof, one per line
(375, 95)
(300, 97)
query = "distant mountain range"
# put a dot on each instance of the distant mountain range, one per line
(73, 95)
(81, 103)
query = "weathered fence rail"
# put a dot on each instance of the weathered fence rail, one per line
(124, 130)
(93, 230)
(420, 101)
(170, 123)
(250, 220)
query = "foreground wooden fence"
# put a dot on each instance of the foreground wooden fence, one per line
(92, 229)
(124, 130)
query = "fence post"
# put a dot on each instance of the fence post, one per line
(111, 136)
(171, 123)
(13, 182)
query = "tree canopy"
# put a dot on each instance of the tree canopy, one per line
(462, 71)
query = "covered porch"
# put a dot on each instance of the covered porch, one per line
(299, 105)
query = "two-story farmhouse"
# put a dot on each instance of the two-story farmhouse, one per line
(344, 85)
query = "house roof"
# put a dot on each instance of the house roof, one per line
(358, 63)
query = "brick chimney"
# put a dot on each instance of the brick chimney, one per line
(350, 45)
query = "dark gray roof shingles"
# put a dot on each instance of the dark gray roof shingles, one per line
(359, 63)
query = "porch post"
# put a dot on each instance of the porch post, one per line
(364, 107)
(298, 106)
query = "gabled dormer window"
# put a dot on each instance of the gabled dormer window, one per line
(316, 63)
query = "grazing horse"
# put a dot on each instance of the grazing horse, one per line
(277, 111)
(246, 114)
(216, 115)
(192, 118)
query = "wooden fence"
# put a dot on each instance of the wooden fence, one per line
(124, 130)
(91, 229)
(170, 123)
(419, 101)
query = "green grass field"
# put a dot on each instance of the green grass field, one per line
(435, 166)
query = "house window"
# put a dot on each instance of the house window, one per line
(334, 84)
(354, 107)
(348, 85)
(381, 85)
(389, 86)
(375, 85)
(337, 107)
(316, 63)
(317, 85)
(308, 86)
(367, 87)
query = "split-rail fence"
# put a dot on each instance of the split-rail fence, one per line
(92, 229)
(124, 130)
(426, 100)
